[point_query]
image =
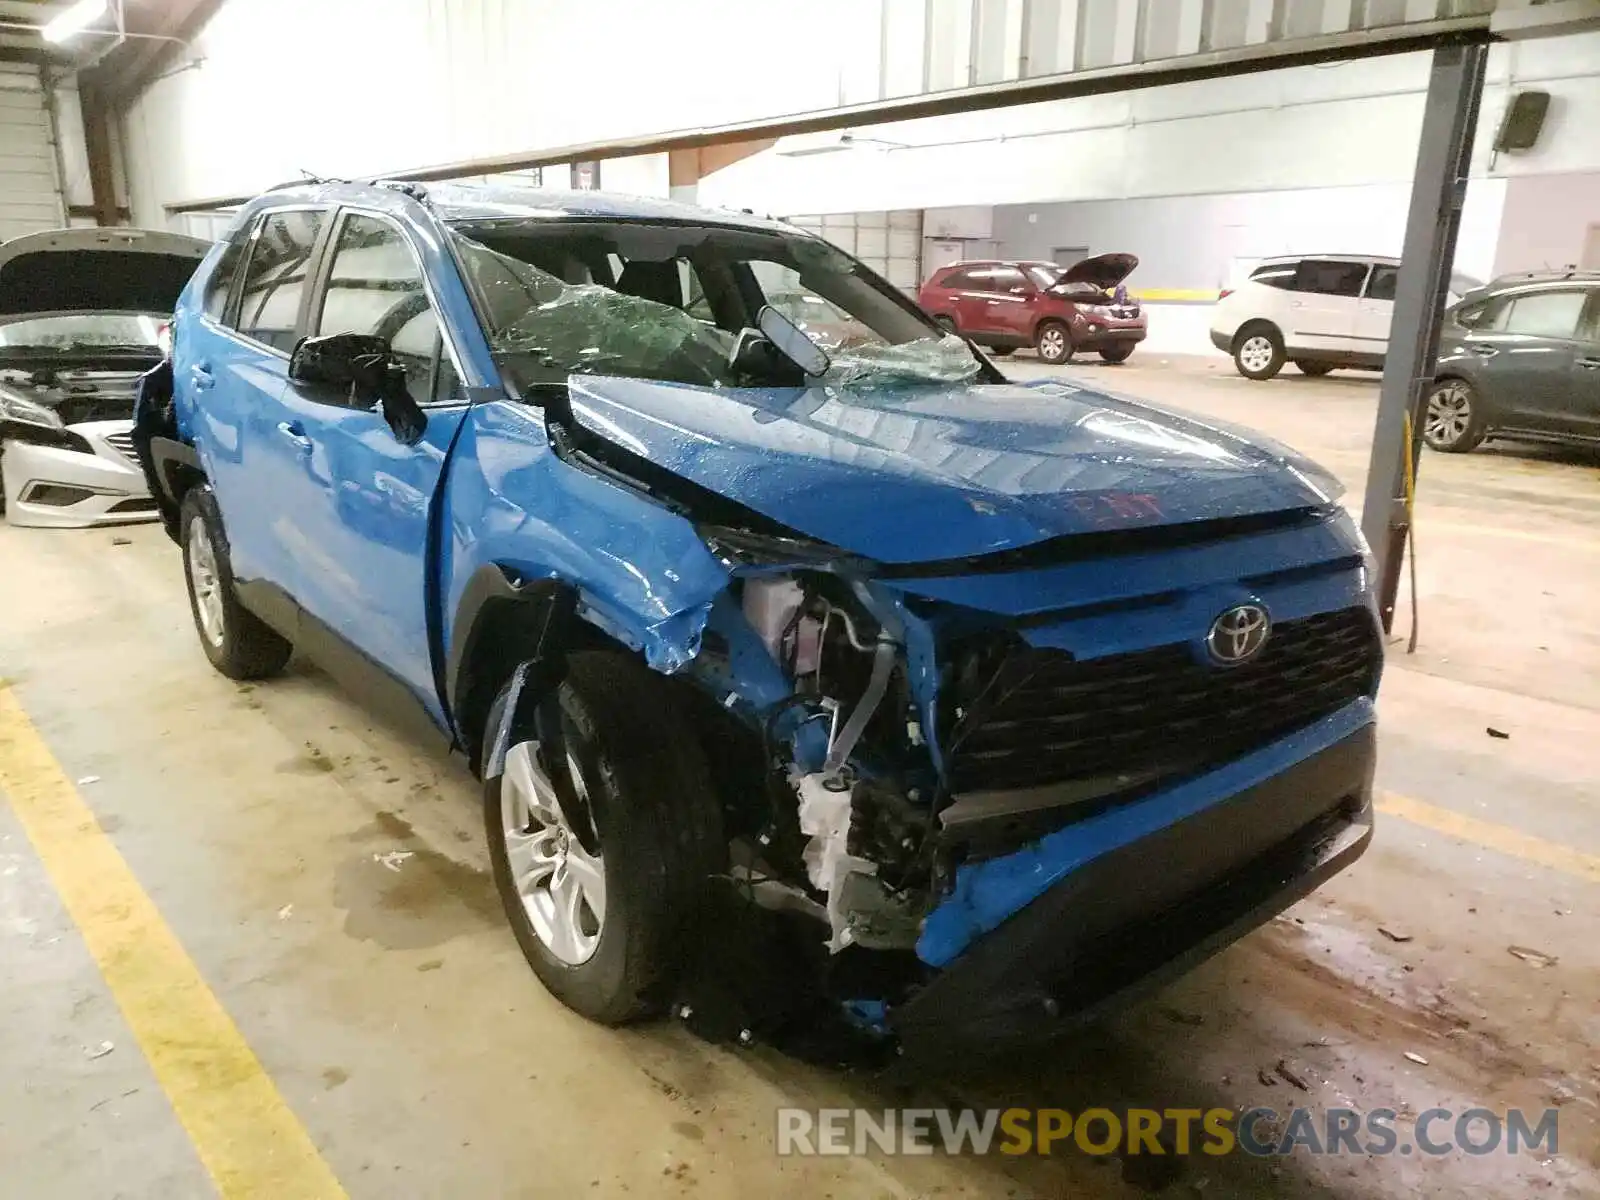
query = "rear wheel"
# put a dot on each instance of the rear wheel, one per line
(1454, 422)
(1116, 354)
(948, 324)
(1002, 351)
(1312, 368)
(239, 644)
(1054, 342)
(1258, 351)
(605, 837)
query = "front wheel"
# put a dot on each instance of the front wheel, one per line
(239, 644)
(1116, 354)
(1258, 352)
(1453, 422)
(604, 835)
(1054, 342)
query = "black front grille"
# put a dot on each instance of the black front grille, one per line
(1047, 718)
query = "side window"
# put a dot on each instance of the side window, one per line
(1382, 284)
(375, 287)
(1278, 275)
(1325, 277)
(275, 280)
(1545, 314)
(958, 280)
(1589, 327)
(220, 284)
(1006, 279)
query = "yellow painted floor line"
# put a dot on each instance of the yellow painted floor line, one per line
(244, 1132)
(1492, 836)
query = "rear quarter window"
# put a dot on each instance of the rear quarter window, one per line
(220, 283)
(1277, 275)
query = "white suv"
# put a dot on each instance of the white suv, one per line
(1322, 312)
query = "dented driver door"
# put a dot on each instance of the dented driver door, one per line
(361, 498)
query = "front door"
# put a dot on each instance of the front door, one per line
(1005, 305)
(357, 517)
(1323, 301)
(1527, 350)
(236, 364)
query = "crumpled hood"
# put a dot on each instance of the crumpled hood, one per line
(920, 473)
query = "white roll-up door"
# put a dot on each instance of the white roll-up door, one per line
(888, 242)
(30, 195)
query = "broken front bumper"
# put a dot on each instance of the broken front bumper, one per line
(98, 482)
(1117, 917)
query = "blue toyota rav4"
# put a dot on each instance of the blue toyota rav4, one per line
(729, 570)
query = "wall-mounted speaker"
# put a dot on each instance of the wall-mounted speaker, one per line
(1524, 118)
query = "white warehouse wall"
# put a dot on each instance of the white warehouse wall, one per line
(356, 87)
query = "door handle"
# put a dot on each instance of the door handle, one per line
(200, 377)
(296, 434)
(1589, 364)
(1297, 304)
(1485, 350)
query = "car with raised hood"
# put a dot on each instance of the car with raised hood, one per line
(81, 315)
(1017, 698)
(1519, 358)
(1056, 310)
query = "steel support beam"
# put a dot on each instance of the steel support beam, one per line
(1438, 190)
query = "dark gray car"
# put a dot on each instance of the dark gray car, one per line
(1519, 358)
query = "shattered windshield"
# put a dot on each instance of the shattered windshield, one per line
(71, 332)
(669, 301)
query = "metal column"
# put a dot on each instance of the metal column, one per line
(1438, 189)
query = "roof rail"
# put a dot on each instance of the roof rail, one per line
(405, 187)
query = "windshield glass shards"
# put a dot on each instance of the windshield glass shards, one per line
(668, 301)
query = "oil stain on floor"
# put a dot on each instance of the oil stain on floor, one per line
(403, 895)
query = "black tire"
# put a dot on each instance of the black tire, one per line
(1313, 369)
(1053, 340)
(946, 323)
(1265, 361)
(243, 646)
(653, 811)
(1117, 354)
(1452, 421)
(1001, 351)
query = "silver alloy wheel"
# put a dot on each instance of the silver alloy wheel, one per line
(203, 580)
(561, 884)
(1449, 414)
(1255, 352)
(1053, 343)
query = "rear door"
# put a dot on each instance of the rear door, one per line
(235, 363)
(1375, 310)
(1323, 304)
(361, 499)
(1526, 347)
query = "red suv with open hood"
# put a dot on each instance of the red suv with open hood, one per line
(1057, 310)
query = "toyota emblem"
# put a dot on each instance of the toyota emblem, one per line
(1238, 634)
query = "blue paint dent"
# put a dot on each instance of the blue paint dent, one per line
(986, 893)
(936, 471)
(642, 572)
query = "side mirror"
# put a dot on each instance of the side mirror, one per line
(363, 366)
(341, 360)
(792, 342)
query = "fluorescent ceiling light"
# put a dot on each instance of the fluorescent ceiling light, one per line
(75, 20)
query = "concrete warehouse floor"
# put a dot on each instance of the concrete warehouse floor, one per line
(327, 886)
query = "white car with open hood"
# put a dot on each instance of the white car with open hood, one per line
(81, 317)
